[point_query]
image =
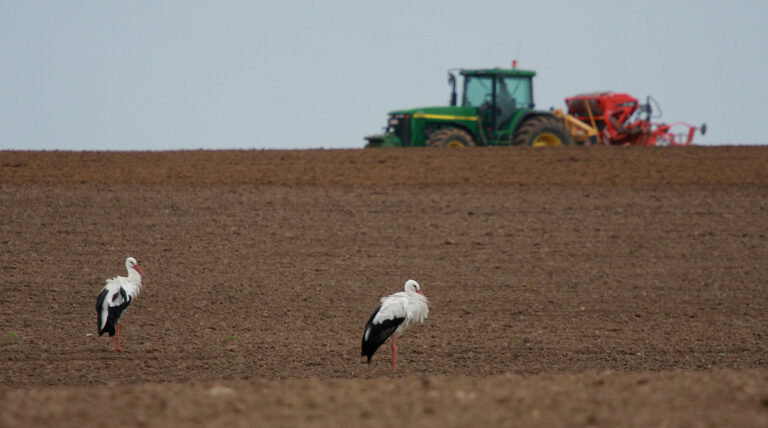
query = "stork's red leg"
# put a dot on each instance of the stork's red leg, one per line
(394, 355)
(112, 343)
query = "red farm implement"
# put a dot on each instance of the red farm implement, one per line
(610, 118)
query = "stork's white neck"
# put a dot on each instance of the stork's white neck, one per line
(134, 274)
(132, 285)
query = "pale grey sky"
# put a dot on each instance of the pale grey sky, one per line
(186, 74)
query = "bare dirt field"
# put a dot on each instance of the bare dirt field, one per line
(582, 286)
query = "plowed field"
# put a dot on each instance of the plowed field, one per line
(599, 286)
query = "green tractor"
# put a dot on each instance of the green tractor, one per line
(496, 110)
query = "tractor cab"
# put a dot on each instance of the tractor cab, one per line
(497, 94)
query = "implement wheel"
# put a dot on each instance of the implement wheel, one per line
(542, 131)
(450, 137)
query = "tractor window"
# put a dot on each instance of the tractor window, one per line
(518, 89)
(477, 90)
(512, 92)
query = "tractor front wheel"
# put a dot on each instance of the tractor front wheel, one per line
(542, 131)
(450, 137)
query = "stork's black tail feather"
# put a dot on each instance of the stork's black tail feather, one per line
(113, 312)
(99, 306)
(109, 327)
(377, 333)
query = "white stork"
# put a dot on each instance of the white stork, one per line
(115, 298)
(392, 317)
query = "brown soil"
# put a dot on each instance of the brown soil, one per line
(579, 286)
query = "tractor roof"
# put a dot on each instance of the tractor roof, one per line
(497, 71)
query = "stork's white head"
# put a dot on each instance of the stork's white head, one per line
(131, 263)
(413, 287)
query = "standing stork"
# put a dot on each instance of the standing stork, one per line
(392, 317)
(115, 298)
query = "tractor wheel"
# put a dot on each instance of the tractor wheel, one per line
(450, 137)
(542, 131)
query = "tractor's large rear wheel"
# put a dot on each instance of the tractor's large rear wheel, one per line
(450, 137)
(542, 131)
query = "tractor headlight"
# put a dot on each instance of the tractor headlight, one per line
(393, 122)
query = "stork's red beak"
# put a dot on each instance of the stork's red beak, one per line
(138, 269)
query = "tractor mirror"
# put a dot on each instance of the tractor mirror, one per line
(703, 128)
